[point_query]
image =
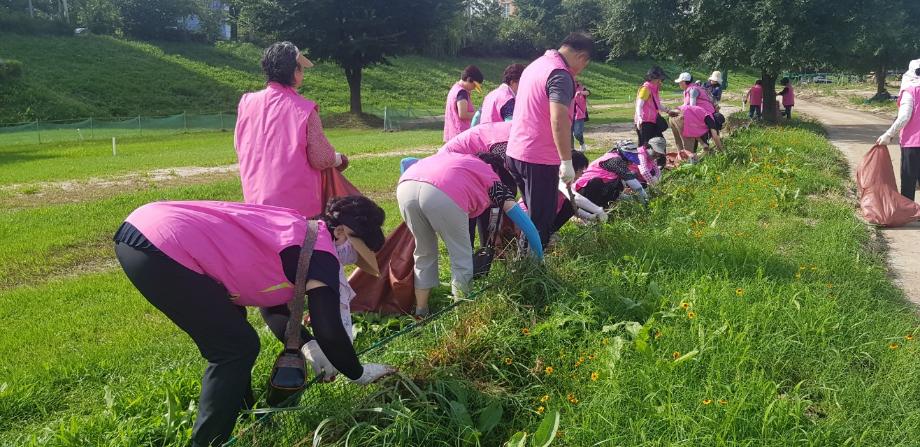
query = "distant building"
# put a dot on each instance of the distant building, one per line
(508, 8)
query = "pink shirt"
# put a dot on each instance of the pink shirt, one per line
(910, 134)
(694, 121)
(236, 244)
(756, 95)
(271, 145)
(531, 138)
(789, 96)
(453, 124)
(464, 178)
(493, 103)
(479, 138)
(581, 103)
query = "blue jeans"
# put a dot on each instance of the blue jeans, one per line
(578, 131)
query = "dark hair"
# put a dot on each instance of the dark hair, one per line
(758, 82)
(580, 42)
(512, 73)
(279, 61)
(655, 72)
(917, 71)
(498, 165)
(579, 161)
(784, 81)
(359, 213)
(471, 74)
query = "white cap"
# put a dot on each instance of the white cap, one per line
(659, 145)
(716, 76)
(684, 77)
(914, 64)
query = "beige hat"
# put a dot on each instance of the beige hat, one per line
(716, 76)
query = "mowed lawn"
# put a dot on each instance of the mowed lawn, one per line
(746, 305)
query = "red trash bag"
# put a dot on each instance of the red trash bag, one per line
(394, 291)
(879, 198)
(336, 185)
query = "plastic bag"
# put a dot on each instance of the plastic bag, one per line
(879, 199)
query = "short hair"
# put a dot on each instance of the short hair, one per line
(498, 166)
(472, 74)
(579, 161)
(654, 73)
(580, 42)
(361, 214)
(512, 73)
(784, 81)
(279, 62)
(758, 82)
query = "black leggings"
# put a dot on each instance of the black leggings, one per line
(788, 112)
(201, 307)
(910, 171)
(602, 193)
(647, 131)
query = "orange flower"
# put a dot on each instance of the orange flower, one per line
(525, 331)
(893, 346)
(685, 305)
(549, 370)
(739, 291)
(691, 315)
(908, 337)
(723, 402)
(540, 409)
(508, 360)
(595, 376)
(572, 399)
(675, 355)
(707, 401)
(544, 399)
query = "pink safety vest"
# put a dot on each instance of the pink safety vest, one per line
(595, 170)
(453, 124)
(531, 137)
(235, 244)
(651, 107)
(271, 146)
(479, 138)
(646, 171)
(694, 121)
(581, 104)
(756, 96)
(910, 134)
(789, 96)
(464, 178)
(703, 100)
(493, 103)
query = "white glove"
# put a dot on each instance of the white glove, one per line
(567, 171)
(884, 140)
(321, 365)
(601, 216)
(374, 372)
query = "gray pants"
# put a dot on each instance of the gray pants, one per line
(430, 213)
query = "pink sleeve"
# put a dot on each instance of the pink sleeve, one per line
(320, 152)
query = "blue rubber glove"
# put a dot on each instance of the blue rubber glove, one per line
(522, 220)
(405, 163)
(476, 118)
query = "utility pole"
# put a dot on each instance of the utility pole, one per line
(31, 10)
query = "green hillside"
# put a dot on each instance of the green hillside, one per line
(78, 77)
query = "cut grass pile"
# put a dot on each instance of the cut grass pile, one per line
(745, 306)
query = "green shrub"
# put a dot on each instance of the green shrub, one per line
(10, 69)
(21, 23)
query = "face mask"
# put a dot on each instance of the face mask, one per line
(344, 250)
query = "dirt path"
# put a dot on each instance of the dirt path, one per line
(854, 133)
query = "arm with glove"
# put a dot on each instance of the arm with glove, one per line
(585, 209)
(905, 112)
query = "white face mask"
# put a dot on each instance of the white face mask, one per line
(345, 252)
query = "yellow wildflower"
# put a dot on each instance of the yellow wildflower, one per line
(739, 291)
(549, 370)
(544, 399)
(525, 331)
(540, 409)
(691, 315)
(908, 337)
(707, 401)
(508, 360)
(595, 376)
(723, 402)
(675, 355)
(893, 346)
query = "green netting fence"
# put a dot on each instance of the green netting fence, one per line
(74, 130)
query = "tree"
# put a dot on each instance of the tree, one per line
(885, 38)
(154, 19)
(770, 35)
(359, 33)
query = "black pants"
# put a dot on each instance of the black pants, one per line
(910, 171)
(755, 111)
(563, 215)
(600, 193)
(788, 112)
(647, 131)
(481, 222)
(539, 186)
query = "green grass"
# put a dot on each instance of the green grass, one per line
(790, 340)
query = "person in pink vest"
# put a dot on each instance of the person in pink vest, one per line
(754, 98)
(437, 196)
(498, 105)
(647, 119)
(459, 109)
(202, 263)
(488, 137)
(581, 115)
(695, 94)
(279, 137)
(697, 126)
(788, 94)
(540, 145)
(606, 177)
(908, 124)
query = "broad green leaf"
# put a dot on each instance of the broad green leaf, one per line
(547, 430)
(517, 440)
(490, 417)
(460, 413)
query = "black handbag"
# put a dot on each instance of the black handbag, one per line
(661, 124)
(289, 373)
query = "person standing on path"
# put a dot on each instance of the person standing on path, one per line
(788, 94)
(498, 105)
(714, 86)
(648, 121)
(908, 124)
(540, 144)
(754, 98)
(581, 115)
(459, 109)
(279, 138)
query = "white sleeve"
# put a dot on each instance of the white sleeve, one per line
(637, 187)
(905, 110)
(640, 103)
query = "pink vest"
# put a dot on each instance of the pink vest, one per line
(596, 171)
(756, 96)
(271, 145)
(703, 100)
(910, 134)
(453, 124)
(464, 178)
(581, 105)
(531, 137)
(647, 171)
(493, 103)
(650, 108)
(235, 244)
(479, 138)
(694, 121)
(789, 96)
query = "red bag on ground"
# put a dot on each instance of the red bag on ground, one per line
(336, 185)
(394, 291)
(879, 198)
